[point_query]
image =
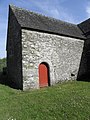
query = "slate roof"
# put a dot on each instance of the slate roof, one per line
(85, 26)
(31, 20)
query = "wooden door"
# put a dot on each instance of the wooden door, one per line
(43, 75)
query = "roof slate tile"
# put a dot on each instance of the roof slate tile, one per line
(36, 21)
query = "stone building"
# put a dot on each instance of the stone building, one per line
(42, 51)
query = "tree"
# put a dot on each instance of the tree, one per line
(2, 64)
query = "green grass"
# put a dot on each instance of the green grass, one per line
(66, 101)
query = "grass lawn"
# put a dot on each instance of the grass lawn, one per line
(66, 101)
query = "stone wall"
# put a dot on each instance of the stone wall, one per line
(14, 56)
(63, 54)
(84, 69)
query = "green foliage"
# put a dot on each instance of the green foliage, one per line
(2, 64)
(67, 101)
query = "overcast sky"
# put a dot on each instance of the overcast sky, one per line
(74, 11)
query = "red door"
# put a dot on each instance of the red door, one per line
(43, 75)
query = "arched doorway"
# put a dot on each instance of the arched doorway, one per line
(44, 78)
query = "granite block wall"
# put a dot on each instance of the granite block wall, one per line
(63, 54)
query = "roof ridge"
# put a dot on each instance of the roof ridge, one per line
(42, 15)
(33, 20)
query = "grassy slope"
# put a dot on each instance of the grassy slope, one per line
(67, 101)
